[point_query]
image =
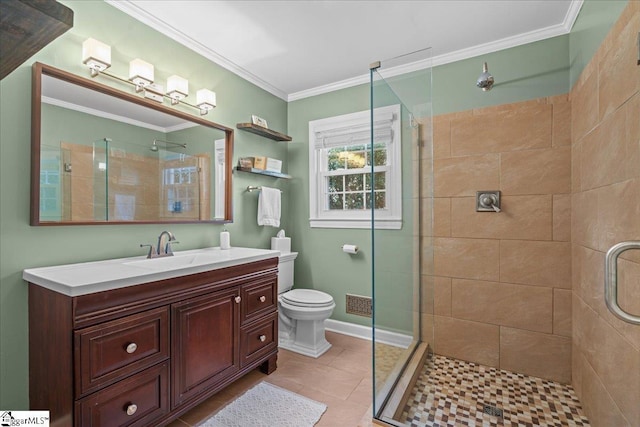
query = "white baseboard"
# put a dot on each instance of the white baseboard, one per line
(359, 331)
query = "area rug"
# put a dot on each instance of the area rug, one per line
(267, 405)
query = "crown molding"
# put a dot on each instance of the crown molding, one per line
(459, 55)
(572, 14)
(483, 49)
(159, 25)
(99, 113)
(331, 87)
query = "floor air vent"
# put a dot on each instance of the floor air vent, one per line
(359, 305)
(493, 411)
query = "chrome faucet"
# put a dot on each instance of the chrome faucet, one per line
(165, 239)
(164, 249)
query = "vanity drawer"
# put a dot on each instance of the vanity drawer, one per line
(258, 339)
(258, 299)
(136, 401)
(111, 351)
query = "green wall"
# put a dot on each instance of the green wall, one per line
(594, 22)
(321, 264)
(23, 246)
(530, 71)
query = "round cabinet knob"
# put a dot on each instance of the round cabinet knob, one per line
(263, 338)
(238, 299)
(131, 348)
(131, 409)
(263, 298)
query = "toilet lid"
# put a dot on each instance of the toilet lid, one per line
(307, 298)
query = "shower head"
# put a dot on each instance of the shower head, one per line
(485, 81)
(154, 145)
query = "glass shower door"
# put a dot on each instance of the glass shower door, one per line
(402, 268)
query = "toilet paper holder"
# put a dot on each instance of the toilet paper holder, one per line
(350, 249)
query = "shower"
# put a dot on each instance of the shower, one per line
(154, 145)
(485, 80)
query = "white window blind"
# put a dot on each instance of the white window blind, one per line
(341, 156)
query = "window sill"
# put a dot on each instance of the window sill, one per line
(381, 224)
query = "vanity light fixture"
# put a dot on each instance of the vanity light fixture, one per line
(140, 73)
(97, 56)
(177, 89)
(205, 100)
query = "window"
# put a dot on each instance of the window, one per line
(50, 187)
(340, 160)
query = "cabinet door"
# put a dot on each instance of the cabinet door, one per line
(205, 348)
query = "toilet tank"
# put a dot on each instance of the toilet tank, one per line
(285, 271)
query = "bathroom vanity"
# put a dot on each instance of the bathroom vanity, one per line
(138, 342)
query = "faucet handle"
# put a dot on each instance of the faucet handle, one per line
(150, 254)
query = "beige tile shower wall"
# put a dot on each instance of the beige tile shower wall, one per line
(502, 292)
(134, 176)
(606, 210)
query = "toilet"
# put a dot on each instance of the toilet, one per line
(301, 313)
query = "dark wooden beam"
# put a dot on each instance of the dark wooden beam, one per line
(26, 26)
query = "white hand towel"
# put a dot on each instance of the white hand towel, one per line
(269, 207)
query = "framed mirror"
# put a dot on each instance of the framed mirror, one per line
(104, 156)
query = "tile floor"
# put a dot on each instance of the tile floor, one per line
(450, 392)
(340, 378)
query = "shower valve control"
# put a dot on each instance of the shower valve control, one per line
(488, 201)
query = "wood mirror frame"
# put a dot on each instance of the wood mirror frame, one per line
(40, 70)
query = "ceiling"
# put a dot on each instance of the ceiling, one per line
(296, 49)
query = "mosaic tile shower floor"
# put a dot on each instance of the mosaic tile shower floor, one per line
(452, 393)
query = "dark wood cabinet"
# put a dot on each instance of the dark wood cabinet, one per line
(258, 339)
(135, 401)
(108, 352)
(205, 349)
(144, 354)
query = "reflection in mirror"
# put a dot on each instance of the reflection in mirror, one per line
(107, 156)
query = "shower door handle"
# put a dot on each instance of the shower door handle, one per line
(611, 280)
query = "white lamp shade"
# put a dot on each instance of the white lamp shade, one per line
(177, 87)
(140, 72)
(95, 54)
(205, 99)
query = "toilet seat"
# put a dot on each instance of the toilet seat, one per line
(307, 298)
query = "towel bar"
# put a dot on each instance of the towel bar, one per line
(252, 188)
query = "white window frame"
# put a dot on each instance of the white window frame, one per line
(386, 120)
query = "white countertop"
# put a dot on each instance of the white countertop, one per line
(90, 277)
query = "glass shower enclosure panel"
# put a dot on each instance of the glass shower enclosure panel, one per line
(402, 268)
(111, 179)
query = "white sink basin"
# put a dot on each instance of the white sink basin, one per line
(164, 263)
(181, 260)
(98, 276)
